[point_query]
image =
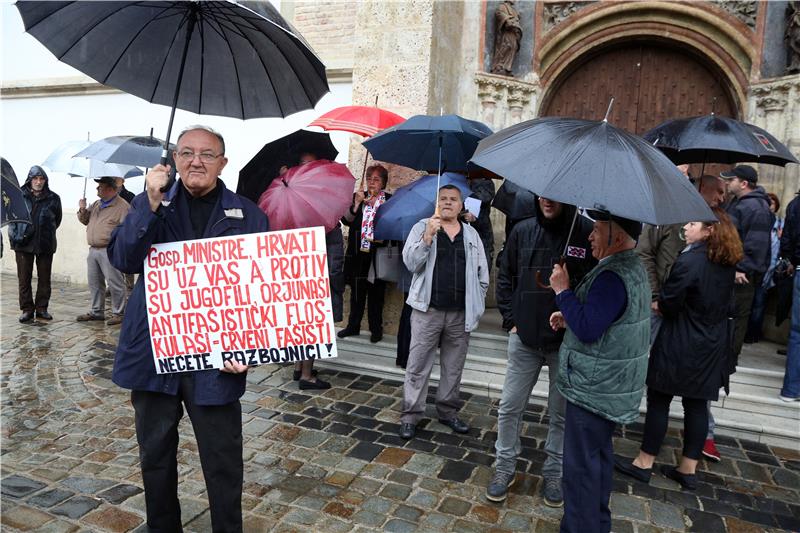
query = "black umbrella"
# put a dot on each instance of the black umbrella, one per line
(514, 201)
(715, 139)
(14, 206)
(211, 57)
(126, 150)
(595, 165)
(258, 173)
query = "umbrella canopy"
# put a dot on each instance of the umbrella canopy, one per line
(64, 159)
(14, 207)
(361, 120)
(595, 165)
(258, 173)
(429, 142)
(127, 150)
(410, 204)
(514, 201)
(714, 139)
(314, 194)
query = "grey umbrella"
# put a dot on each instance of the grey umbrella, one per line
(125, 150)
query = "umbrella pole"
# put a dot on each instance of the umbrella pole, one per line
(569, 235)
(189, 28)
(366, 158)
(84, 187)
(438, 178)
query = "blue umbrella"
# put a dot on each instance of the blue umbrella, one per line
(412, 203)
(14, 207)
(429, 143)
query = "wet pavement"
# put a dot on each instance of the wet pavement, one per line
(327, 461)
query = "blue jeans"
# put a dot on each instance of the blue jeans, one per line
(791, 379)
(524, 365)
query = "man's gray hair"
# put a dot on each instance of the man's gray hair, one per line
(209, 129)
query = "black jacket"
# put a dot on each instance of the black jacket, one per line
(356, 263)
(691, 353)
(790, 239)
(753, 220)
(536, 244)
(45, 208)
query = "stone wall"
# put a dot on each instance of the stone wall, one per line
(329, 27)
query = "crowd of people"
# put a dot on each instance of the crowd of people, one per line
(612, 307)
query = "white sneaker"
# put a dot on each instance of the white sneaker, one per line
(787, 399)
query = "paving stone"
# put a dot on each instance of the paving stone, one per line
(395, 525)
(365, 451)
(424, 464)
(402, 477)
(119, 493)
(411, 514)
(394, 456)
(24, 518)
(76, 507)
(485, 513)
(49, 498)
(113, 519)
(376, 504)
(666, 515)
(18, 486)
(368, 518)
(454, 506)
(628, 506)
(339, 509)
(302, 516)
(456, 471)
(703, 522)
(87, 485)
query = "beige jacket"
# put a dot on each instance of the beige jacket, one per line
(101, 222)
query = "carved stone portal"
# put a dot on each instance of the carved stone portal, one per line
(507, 36)
(792, 36)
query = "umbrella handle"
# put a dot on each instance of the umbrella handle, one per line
(539, 282)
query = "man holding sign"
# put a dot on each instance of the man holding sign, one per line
(198, 205)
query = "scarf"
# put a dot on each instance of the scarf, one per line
(368, 222)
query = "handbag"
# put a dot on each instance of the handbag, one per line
(388, 263)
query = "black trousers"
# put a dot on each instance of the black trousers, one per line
(695, 423)
(588, 468)
(369, 295)
(44, 264)
(744, 294)
(404, 334)
(218, 430)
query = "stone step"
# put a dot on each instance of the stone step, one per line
(752, 411)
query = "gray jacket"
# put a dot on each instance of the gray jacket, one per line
(420, 259)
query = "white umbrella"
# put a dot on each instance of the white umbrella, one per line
(62, 160)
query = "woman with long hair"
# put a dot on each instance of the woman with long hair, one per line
(690, 355)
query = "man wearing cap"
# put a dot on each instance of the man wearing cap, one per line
(750, 213)
(100, 220)
(602, 365)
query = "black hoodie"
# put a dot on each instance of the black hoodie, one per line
(536, 244)
(753, 219)
(45, 208)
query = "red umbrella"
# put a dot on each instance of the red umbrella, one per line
(361, 120)
(314, 194)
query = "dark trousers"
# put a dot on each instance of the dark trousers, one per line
(404, 335)
(695, 423)
(588, 468)
(218, 430)
(743, 294)
(755, 324)
(44, 264)
(369, 295)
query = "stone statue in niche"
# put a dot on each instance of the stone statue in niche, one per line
(792, 37)
(507, 35)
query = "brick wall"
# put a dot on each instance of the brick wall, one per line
(328, 26)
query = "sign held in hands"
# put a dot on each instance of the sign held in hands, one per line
(255, 299)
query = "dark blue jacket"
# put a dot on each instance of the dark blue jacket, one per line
(753, 220)
(790, 240)
(133, 365)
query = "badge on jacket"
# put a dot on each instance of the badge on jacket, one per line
(575, 251)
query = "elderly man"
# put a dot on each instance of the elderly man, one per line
(534, 245)
(198, 205)
(100, 220)
(602, 365)
(448, 287)
(36, 243)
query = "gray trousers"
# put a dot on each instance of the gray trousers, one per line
(522, 372)
(427, 330)
(100, 273)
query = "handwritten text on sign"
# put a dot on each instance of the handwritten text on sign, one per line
(255, 299)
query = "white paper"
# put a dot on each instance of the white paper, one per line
(473, 205)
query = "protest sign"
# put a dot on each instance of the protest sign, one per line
(254, 299)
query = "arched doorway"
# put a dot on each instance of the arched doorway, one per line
(651, 81)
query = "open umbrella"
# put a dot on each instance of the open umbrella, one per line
(14, 207)
(126, 150)
(65, 159)
(410, 204)
(594, 165)
(258, 173)
(314, 194)
(214, 57)
(361, 120)
(715, 139)
(514, 201)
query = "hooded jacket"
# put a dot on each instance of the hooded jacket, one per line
(536, 244)
(753, 220)
(39, 237)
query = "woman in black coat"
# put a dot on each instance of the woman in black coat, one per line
(690, 355)
(360, 256)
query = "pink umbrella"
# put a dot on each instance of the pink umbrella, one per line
(314, 194)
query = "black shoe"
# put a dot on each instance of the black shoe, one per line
(44, 315)
(316, 384)
(624, 465)
(348, 332)
(455, 424)
(26, 316)
(781, 351)
(297, 373)
(687, 481)
(375, 337)
(407, 431)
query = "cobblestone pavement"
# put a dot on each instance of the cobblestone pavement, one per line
(319, 462)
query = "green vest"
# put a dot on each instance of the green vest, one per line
(607, 376)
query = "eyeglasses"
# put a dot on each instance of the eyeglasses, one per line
(205, 157)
